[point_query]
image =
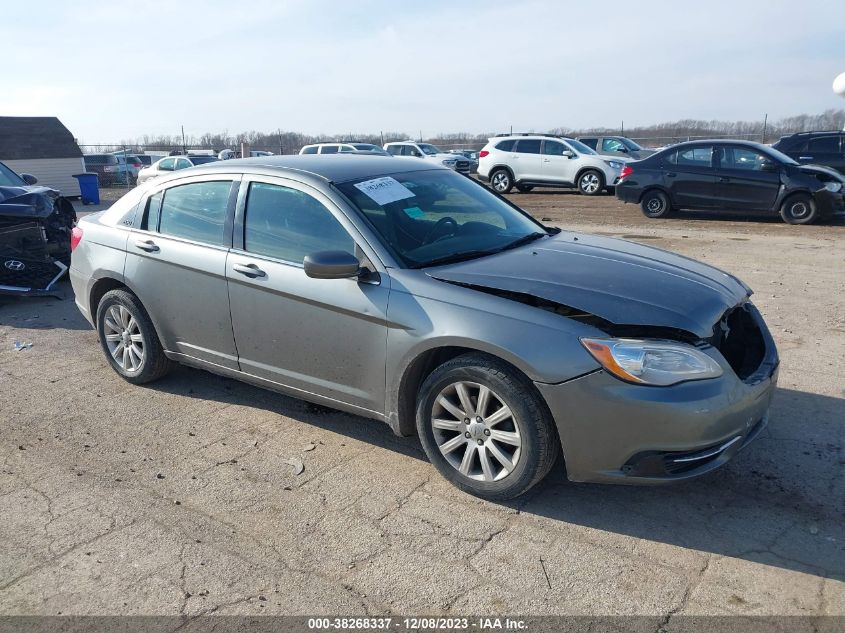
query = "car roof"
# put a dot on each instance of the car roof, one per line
(328, 167)
(719, 141)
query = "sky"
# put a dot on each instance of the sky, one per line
(116, 70)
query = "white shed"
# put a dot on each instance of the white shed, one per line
(43, 147)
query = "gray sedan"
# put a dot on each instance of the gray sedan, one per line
(416, 296)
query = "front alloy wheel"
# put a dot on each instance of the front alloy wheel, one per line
(590, 183)
(501, 181)
(476, 431)
(485, 427)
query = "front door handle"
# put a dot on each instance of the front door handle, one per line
(147, 245)
(805, 158)
(546, 160)
(724, 179)
(671, 174)
(250, 270)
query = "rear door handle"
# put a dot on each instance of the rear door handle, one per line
(147, 245)
(250, 270)
(724, 179)
(805, 158)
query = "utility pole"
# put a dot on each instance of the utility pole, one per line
(623, 129)
(420, 136)
(281, 149)
(765, 125)
(382, 138)
(184, 146)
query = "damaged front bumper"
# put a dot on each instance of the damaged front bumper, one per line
(616, 432)
(35, 228)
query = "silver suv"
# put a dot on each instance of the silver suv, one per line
(528, 160)
(429, 152)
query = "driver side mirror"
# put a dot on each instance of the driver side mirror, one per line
(568, 153)
(416, 154)
(768, 165)
(29, 179)
(332, 265)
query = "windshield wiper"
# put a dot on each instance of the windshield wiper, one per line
(465, 255)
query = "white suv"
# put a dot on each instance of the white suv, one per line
(427, 151)
(341, 148)
(528, 160)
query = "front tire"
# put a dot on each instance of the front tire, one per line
(485, 428)
(501, 181)
(799, 209)
(590, 183)
(655, 204)
(129, 339)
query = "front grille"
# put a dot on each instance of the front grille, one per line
(740, 340)
(462, 166)
(22, 275)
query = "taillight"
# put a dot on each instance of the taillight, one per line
(107, 168)
(626, 171)
(75, 238)
(483, 153)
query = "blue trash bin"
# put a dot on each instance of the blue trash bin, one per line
(89, 187)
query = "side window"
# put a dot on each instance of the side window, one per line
(744, 159)
(152, 212)
(196, 211)
(505, 146)
(553, 148)
(671, 158)
(394, 150)
(168, 164)
(696, 156)
(611, 145)
(309, 150)
(347, 148)
(183, 163)
(288, 224)
(589, 142)
(824, 144)
(528, 146)
(328, 149)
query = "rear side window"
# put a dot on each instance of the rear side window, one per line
(288, 224)
(826, 144)
(309, 150)
(505, 146)
(528, 146)
(328, 149)
(196, 211)
(695, 157)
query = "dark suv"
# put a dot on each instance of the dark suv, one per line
(732, 175)
(108, 168)
(817, 148)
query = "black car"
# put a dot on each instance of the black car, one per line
(732, 175)
(818, 148)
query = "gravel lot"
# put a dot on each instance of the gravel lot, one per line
(176, 498)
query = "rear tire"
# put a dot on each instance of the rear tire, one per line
(129, 339)
(799, 209)
(510, 442)
(655, 204)
(590, 183)
(501, 181)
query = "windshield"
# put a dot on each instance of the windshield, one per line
(8, 178)
(202, 160)
(780, 156)
(579, 147)
(429, 149)
(431, 217)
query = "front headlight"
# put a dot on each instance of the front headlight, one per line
(834, 187)
(658, 363)
(614, 164)
(450, 162)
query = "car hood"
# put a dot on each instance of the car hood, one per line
(619, 281)
(27, 201)
(814, 170)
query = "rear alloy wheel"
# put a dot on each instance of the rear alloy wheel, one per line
(655, 204)
(129, 339)
(484, 428)
(501, 181)
(590, 183)
(799, 209)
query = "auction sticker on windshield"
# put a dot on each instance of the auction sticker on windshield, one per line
(385, 190)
